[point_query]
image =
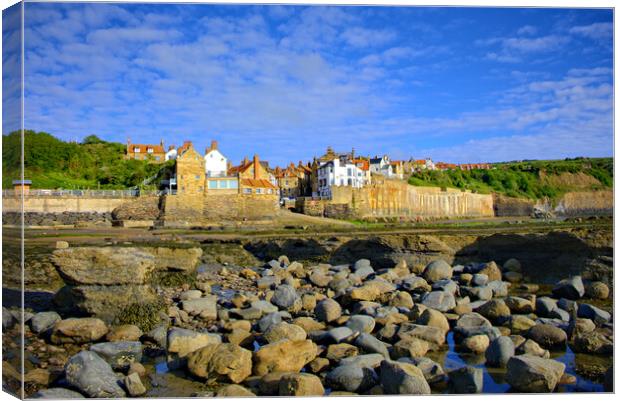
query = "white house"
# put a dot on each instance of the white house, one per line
(380, 165)
(340, 171)
(216, 165)
(171, 154)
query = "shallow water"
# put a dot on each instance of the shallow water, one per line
(493, 378)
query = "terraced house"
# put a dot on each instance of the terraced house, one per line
(139, 151)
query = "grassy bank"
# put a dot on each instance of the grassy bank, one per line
(527, 179)
(52, 163)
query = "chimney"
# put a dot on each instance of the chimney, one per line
(161, 142)
(245, 161)
(256, 167)
(170, 147)
(213, 145)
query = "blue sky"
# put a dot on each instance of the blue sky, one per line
(454, 84)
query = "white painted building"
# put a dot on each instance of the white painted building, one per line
(339, 172)
(216, 165)
(380, 165)
(171, 154)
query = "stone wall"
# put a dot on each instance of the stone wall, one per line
(310, 207)
(57, 219)
(62, 204)
(141, 208)
(196, 210)
(396, 198)
(182, 209)
(240, 207)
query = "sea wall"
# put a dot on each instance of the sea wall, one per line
(396, 198)
(62, 204)
(240, 207)
(196, 210)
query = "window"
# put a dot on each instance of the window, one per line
(223, 184)
(212, 184)
(259, 191)
(247, 190)
(270, 191)
(157, 158)
(349, 182)
(233, 184)
(197, 176)
(349, 172)
(136, 150)
(149, 150)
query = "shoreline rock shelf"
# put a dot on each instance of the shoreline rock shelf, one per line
(292, 330)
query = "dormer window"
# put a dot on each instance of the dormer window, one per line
(136, 149)
(149, 150)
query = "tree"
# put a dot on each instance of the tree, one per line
(92, 140)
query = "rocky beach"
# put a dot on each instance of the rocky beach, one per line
(328, 316)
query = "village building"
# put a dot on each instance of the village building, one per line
(254, 177)
(341, 171)
(441, 166)
(171, 154)
(153, 153)
(413, 166)
(475, 166)
(190, 173)
(364, 165)
(216, 165)
(294, 180)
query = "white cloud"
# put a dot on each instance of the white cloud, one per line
(362, 37)
(527, 30)
(598, 30)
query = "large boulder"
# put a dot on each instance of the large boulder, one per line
(403, 378)
(361, 323)
(103, 265)
(284, 331)
(78, 330)
(548, 336)
(351, 377)
(570, 288)
(217, 362)
(440, 300)
(437, 270)
(466, 380)
(182, 342)
(328, 310)
(492, 271)
(532, 374)
(593, 313)
(103, 301)
(495, 310)
(119, 354)
(92, 375)
(500, 351)
(300, 384)
(206, 307)
(284, 356)
(371, 290)
(181, 259)
(44, 321)
(285, 297)
(371, 344)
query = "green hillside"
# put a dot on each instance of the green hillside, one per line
(52, 163)
(527, 179)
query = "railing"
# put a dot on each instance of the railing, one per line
(87, 193)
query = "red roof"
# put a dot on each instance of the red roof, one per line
(144, 148)
(363, 164)
(257, 183)
(240, 168)
(184, 147)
